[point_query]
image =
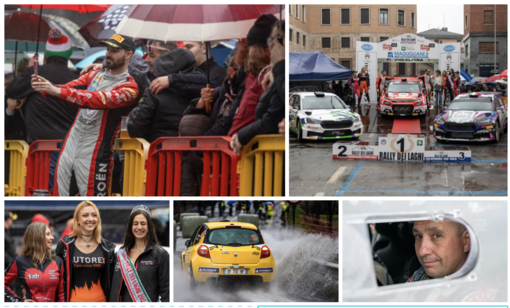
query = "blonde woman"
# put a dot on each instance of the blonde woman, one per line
(364, 84)
(87, 257)
(41, 276)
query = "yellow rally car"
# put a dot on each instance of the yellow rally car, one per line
(221, 249)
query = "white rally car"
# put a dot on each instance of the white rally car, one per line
(319, 115)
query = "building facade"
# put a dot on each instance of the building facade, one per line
(334, 29)
(485, 39)
(443, 36)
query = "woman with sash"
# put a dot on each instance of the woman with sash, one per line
(87, 257)
(41, 276)
(142, 267)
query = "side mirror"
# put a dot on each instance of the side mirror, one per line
(187, 243)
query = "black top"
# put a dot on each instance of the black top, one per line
(87, 268)
(365, 77)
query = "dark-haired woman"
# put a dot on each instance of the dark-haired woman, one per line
(456, 84)
(87, 257)
(142, 271)
(354, 82)
(41, 276)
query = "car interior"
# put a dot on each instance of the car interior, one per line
(393, 243)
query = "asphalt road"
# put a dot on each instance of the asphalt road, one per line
(313, 171)
(298, 276)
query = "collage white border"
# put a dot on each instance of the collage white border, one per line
(265, 304)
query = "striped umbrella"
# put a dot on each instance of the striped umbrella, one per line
(197, 23)
(200, 23)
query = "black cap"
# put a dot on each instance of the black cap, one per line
(119, 41)
(261, 30)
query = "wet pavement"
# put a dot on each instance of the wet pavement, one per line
(313, 171)
(297, 276)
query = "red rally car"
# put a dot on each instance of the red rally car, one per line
(403, 97)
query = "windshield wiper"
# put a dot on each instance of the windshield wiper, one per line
(234, 244)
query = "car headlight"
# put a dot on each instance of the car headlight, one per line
(313, 121)
(440, 121)
(483, 122)
(387, 103)
(418, 103)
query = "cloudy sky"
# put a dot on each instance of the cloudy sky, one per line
(434, 16)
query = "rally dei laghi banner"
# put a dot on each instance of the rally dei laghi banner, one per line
(407, 48)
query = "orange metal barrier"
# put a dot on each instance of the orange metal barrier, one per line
(219, 176)
(38, 165)
(18, 149)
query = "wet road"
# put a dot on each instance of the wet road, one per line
(313, 172)
(298, 276)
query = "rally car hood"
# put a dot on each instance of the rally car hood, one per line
(465, 116)
(403, 96)
(331, 114)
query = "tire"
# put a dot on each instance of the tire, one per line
(299, 130)
(498, 133)
(192, 282)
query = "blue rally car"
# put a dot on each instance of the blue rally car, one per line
(475, 116)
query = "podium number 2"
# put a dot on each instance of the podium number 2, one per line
(342, 149)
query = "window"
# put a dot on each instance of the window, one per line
(462, 50)
(384, 17)
(297, 37)
(465, 21)
(488, 17)
(401, 18)
(386, 67)
(303, 15)
(297, 11)
(412, 21)
(437, 41)
(401, 68)
(290, 35)
(346, 42)
(326, 42)
(290, 9)
(326, 17)
(346, 63)
(458, 41)
(365, 39)
(413, 69)
(365, 16)
(440, 42)
(383, 38)
(467, 50)
(487, 47)
(345, 16)
(304, 40)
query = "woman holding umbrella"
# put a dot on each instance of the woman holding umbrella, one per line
(87, 257)
(42, 277)
(142, 271)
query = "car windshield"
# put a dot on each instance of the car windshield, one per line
(234, 237)
(470, 105)
(406, 87)
(324, 102)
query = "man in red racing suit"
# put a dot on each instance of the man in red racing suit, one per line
(104, 97)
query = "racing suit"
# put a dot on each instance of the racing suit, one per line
(355, 88)
(379, 84)
(87, 148)
(427, 84)
(456, 86)
(42, 284)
